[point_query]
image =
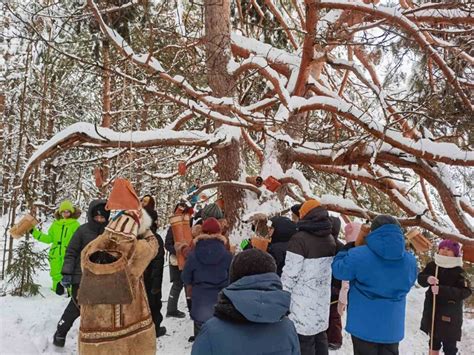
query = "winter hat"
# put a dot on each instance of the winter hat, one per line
(100, 210)
(211, 226)
(251, 262)
(295, 209)
(284, 228)
(212, 210)
(451, 245)
(308, 206)
(382, 219)
(66, 205)
(351, 231)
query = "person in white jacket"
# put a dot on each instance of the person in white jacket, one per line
(307, 276)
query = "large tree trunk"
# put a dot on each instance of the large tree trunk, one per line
(217, 21)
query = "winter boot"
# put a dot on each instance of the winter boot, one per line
(161, 331)
(59, 340)
(176, 314)
(59, 289)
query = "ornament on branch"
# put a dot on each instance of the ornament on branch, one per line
(182, 168)
(419, 242)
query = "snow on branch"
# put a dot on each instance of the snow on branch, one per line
(396, 17)
(189, 162)
(151, 64)
(230, 184)
(88, 134)
(448, 153)
(262, 66)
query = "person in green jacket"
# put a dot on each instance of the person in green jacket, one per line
(59, 234)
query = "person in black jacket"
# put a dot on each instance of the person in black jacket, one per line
(334, 331)
(451, 288)
(281, 230)
(153, 275)
(97, 218)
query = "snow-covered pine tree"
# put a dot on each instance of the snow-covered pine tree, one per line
(25, 265)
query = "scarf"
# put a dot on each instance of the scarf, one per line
(448, 262)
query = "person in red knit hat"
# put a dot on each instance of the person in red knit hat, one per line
(206, 271)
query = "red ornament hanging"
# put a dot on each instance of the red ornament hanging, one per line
(272, 183)
(182, 168)
(99, 179)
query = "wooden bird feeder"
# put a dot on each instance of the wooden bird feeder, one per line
(181, 234)
(272, 183)
(24, 225)
(260, 243)
(468, 253)
(418, 240)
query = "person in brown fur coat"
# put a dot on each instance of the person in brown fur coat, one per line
(115, 317)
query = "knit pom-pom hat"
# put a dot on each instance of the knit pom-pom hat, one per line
(451, 245)
(383, 219)
(66, 205)
(251, 262)
(211, 226)
(308, 206)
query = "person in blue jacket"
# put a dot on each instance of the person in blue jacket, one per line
(381, 274)
(206, 271)
(250, 317)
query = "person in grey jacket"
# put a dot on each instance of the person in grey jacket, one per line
(97, 218)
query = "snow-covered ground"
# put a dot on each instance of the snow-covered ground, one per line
(28, 324)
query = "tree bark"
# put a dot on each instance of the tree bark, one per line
(218, 50)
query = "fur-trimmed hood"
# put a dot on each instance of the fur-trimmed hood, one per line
(209, 237)
(210, 248)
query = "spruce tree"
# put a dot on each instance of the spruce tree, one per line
(25, 265)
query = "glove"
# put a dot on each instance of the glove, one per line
(341, 308)
(435, 290)
(348, 246)
(432, 280)
(66, 281)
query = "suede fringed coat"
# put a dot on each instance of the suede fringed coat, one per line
(110, 329)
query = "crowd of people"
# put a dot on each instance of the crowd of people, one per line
(288, 299)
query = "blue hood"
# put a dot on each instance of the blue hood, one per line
(259, 298)
(387, 242)
(210, 251)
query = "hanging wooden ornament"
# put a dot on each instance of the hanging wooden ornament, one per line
(272, 183)
(182, 168)
(99, 178)
(418, 240)
(26, 223)
(468, 253)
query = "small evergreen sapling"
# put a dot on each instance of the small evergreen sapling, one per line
(25, 265)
